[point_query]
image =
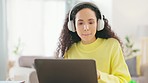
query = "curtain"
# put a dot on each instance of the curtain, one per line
(34, 26)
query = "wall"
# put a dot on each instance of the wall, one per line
(105, 7)
(3, 52)
(127, 15)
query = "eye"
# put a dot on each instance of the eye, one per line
(91, 22)
(80, 23)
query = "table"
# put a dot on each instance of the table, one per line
(12, 82)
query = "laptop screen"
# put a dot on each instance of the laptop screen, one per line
(66, 70)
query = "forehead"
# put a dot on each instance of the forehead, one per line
(85, 13)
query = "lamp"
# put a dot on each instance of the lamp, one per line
(143, 35)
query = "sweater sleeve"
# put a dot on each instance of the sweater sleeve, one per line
(119, 72)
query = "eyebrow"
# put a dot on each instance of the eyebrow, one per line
(80, 20)
(88, 19)
(91, 19)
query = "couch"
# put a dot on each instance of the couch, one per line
(143, 78)
(138, 71)
(24, 70)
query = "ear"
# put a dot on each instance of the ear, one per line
(71, 26)
(100, 25)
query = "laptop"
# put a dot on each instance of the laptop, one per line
(66, 70)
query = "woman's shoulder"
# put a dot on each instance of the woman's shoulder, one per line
(112, 41)
(73, 46)
(108, 39)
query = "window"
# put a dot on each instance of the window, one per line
(34, 26)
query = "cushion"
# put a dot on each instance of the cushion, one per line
(138, 66)
(28, 61)
(134, 66)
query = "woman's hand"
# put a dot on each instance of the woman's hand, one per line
(98, 74)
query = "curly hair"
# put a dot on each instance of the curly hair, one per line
(67, 37)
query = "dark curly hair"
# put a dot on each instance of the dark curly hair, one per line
(67, 37)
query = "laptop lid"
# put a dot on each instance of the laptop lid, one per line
(66, 70)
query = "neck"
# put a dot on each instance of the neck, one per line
(89, 42)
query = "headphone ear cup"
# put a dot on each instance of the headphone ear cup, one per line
(100, 24)
(71, 26)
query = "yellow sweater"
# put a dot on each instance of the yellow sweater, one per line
(108, 56)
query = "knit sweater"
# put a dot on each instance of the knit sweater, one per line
(108, 56)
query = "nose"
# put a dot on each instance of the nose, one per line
(86, 27)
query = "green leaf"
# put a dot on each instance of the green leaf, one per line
(136, 50)
(127, 45)
(127, 39)
(131, 46)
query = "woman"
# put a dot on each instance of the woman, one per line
(87, 35)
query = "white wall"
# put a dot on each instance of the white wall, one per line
(3, 49)
(127, 15)
(105, 7)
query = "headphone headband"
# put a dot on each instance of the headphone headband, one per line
(71, 23)
(81, 3)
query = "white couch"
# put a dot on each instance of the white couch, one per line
(24, 70)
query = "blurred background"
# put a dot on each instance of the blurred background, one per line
(32, 27)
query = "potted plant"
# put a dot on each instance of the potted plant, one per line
(129, 50)
(131, 57)
(17, 51)
(18, 48)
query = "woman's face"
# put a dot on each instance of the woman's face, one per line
(86, 24)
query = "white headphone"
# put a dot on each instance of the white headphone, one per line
(71, 22)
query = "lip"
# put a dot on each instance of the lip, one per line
(87, 34)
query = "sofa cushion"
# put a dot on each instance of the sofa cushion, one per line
(28, 61)
(134, 66)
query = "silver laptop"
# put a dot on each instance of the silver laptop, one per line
(66, 70)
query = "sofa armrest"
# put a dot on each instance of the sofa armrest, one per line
(33, 78)
(20, 73)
